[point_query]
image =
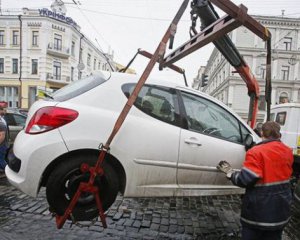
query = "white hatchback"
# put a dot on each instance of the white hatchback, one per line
(169, 144)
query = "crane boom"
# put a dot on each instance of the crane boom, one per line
(215, 29)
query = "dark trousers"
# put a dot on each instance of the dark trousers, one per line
(2, 157)
(258, 234)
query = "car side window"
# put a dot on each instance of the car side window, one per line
(158, 102)
(20, 120)
(10, 121)
(208, 118)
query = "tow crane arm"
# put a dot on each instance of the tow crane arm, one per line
(214, 29)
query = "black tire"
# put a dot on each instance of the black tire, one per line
(63, 183)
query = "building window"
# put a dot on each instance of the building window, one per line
(15, 65)
(57, 42)
(95, 61)
(287, 42)
(99, 65)
(34, 66)
(73, 48)
(263, 71)
(57, 70)
(1, 65)
(10, 95)
(72, 73)
(15, 37)
(1, 37)
(88, 62)
(283, 98)
(285, 72)
(35, 36)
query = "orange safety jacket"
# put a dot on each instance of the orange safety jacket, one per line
(266, 174)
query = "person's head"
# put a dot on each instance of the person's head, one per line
(271, 130)
(258, 128)
(2, 111)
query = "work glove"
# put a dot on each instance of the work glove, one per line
(225, 167)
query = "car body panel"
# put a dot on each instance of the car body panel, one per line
(34, 159)
(152, 152)
(199, 156)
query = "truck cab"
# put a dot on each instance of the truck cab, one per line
(288, 116)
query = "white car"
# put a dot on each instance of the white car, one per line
(169, 144)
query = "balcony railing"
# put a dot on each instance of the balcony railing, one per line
(58, 50)
(57, 79)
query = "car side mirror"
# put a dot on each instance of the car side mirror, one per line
(249, 143)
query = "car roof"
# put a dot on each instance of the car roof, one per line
(285, 105)
(134, 78)
(120, 78)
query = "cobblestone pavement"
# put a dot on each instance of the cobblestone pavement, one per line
(217, 217)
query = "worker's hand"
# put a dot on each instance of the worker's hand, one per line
(225, 167)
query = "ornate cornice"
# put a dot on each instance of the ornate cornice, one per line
(278, 21)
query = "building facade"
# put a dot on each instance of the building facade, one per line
(228, 87)
(42, 49)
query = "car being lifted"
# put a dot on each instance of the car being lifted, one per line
(169, 145)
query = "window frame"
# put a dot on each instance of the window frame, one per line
(1, 65)
(34, 66)
(177, 122)
(285, 71)
(73, 48)
(57, 45)
(88, 59)
(15, 37)
(35, 36)
(15, 67)
(287, 41)
(2, 37)
(185, 119)
(57, 70)
(284, 118)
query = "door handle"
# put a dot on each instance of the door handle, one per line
(192, 141)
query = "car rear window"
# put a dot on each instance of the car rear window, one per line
(76, 88)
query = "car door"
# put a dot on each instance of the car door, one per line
(212, 134)
(16, 123)
(152, 134)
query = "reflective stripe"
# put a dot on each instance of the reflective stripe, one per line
(271, 184)
(236, 176)
(251, 172)
(265, 224)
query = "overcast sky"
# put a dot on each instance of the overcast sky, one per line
(126, 25)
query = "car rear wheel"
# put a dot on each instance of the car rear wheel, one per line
(64, 182)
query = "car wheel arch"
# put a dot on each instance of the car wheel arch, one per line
(113, 161)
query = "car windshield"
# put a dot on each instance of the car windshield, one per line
(78, 87)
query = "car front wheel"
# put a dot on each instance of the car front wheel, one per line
(64, 182)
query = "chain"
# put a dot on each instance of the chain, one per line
(194, 17)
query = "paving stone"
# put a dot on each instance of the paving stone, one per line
(128, 222)
(179, 218)
(137, 224)
(154, 226)
(146, 223)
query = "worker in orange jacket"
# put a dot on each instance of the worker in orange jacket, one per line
(266, 205)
